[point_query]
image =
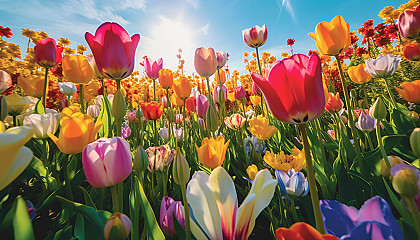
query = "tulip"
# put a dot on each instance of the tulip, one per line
(114, 50)
(202, 123)
(47, 54)
(164, 99)
(334, 103)
(202, 106)
(373, 221)
(255, 100)
(366, 123)
(191, 104)
(77, 131)
(358, 74)
(69, 111)
(152, 110)
(393, 160)
(252, 171)
(17, 104)
(166, 78)
(220, 76)
(284, 162)
(258, 145)
(176, 101)
(96, 73)
(216, 93)
(411, 51)
(383, 66)
(415, 141)
(68, 88)
(215, 213)
(180, 169)
(5, 81)
(235, 121)
(32, 85)
(160, 157)
(178, 133)
(221, 58)
(152, 68)
(131, 116)
(409, 23)
(212, 118)
(15, 157)
(255, 37)
(76, 69)
(117, 227)
(293, 183)
(212, 152)
(205, 61)
(302, 231)
(259, 127)
(168, 208)
(182, 87)
(125, 131)
(240, 93)
(332, 38)
(119, 105)
(93, 111)
(107, 161)
(179, 118)
(42, 124)
(378, 110)
(31, 210)
(294, 91)
(405, 179)
(410, 91)
(140, 160)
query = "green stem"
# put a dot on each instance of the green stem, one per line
(293, 208)
(44, 98)
(119, 126)
(380, 143)
(69, 100)
(154, 89)
(311, 180)
(14, 121)
(221, 98)
(164, 183)
(209, 93)
(120, 188)
(186, 212)
(66, 178)
(82, 100)
(44, 151)
(258, 61)
(115, 204)
(369, 141)
(414, 212)
(390, 94)
(156, 132)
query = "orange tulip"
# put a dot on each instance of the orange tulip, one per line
(32, 85)
(182, 87)
(410, 91)
(76, 69)
(302, 231)
(411, 51)
(222, 76)
(152, 110)
(358, 74)
(212, 151)
(176, 101)
(166, 78)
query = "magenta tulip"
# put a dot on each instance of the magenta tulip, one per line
(152, 68)
(409, 23)
(240, 93)
(114, 50)
(256, 36)
(47, 54)
(293, 90)
(216, 93)
(255, 89)
(202, 105)
(221, 58)
(168, 207)
(107, 161)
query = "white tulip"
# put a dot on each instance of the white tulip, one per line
(93, 111)
(42, 124)
(67, 88)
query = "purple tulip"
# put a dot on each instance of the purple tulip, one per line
(202, 105)
(374, 220)
(168, 207)
(125, 130)
(152, 68)
(31, 210)
(366, 123)
(216, 93)
(240, 93)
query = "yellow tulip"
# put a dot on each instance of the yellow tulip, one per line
(76, 132)
(15, 157)
(176, 101)
(166, 78)
(68, 111)
(212, 151)
(285, 162)
(32, 85)
(358, 74)
(17, 104)
(259, 127)
(252, 171)
(255, 100)
(332, 38)
(76, 69)
(182, 87)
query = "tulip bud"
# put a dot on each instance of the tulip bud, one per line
(118, 227)
(3, 108)
(141, 160)
(366, 123)
(217, 95)
(393, 160)
(252, 171)
(180, 169)
(240, 93)
(67, 88)
(413, 116)
(202, 123)
(170, 114)
(378, 110)
(164, 99)
(405, 180)
(119, 106)
(93, 111)
(202, 104)
(212, 118)
(415, 142)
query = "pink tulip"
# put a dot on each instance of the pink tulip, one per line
(221, 58)
(107, 161)
(152, 68)
(5, 81)
(255, 89)
(202, 105)
(240, 93)
(216, 93)
(113, 49)
(168, 207)
(409, 23)
(179, 118)
(164, 99)
(205, 61)
(294, 92)
(47, 54)
(160, 157)
(202, 123)
(256, 36)
(334, 103)
(132, 116)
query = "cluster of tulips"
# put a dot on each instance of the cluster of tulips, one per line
(291, 160)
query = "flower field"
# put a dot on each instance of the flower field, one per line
(317, 145)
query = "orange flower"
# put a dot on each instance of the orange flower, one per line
(411, 91)
(222, 76)
(358, 74)
(152, 110)
(32, 85)
(302, 231)
(212, 151)
(176, 101)
(77, 69)
(182, 87)
(166, 78)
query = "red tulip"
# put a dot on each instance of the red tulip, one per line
(47, 54)
(411, 51)
(409, 23)
(294, 91)
(113, 49)
(190, 104)
(240, 93)
(334, 103)
(256, 36)
(152, 110)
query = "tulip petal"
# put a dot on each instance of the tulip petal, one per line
(94, 169)
(306, 231)
(196, 230)
(22, 160)
(338, 218)
(371, 230)
(117, 160)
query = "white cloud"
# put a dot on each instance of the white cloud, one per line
(286, 4)
(194, 3)
(134, 4)
(88, 9)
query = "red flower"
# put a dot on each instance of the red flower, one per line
(368, 24)
(354, 38)
(47, 54)
(290, 41)
(302, 231)
(191, 104)
(5, 32)
(360, 51)
(152, 110)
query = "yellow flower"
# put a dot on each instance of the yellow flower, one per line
(166, 78)
(212, 151)
(332, 38)
(255, 100)
(252, 171)
(32, 85)
(77, 69)
(285, 162)
(182, 87)
(17, 104)
(176, 101)
(358, 74)
(259, 127)
(68, 111)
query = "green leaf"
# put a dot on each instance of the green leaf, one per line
(88, 199)
(39, 108)
(397, 204)
(19, 217)
(79, 227)
(106, 116)
(401, 122)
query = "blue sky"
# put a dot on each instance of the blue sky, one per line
(166, 25)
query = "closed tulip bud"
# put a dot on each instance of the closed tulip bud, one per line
(212, 118)
(117, 227)
(240, 93)
(5, 81)
(405, 180)
(171, 115)
(409, 23)
(334, 103)
(168, 209)
(216, 93)
(76, 69)
(119, 105)
(358, 74)
(93, 111)
(252, 171)
(164, 99)
(180, 169)
(68, 89)
(378, 110)
(393, 160)
(413, 116)
(166, 78)
(141, 160)
(411, 51)
(255, 100)
(202, 123)
(32, 85)
(256, 36)
(139, 113)
(3, 108)
(47, 54)
(415, 142)
(202, 105)
(221, 58)
(205, 61)
(152, 68)
(365, 122)
(42, 124)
